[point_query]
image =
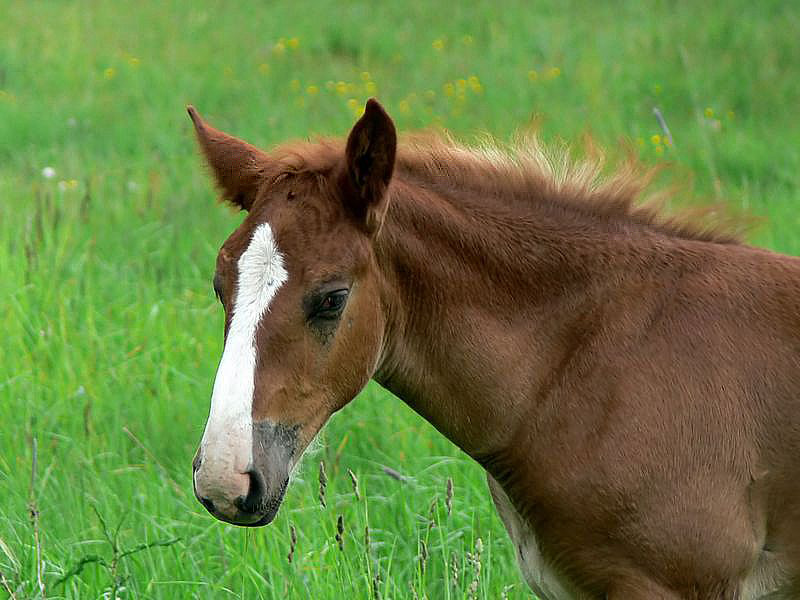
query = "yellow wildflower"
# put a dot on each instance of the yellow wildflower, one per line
(341, 88)
(352, 103)
(365, 76)
(371, 88)
(134, 62)
(312, 90)
(69, 184)
(659, 150)
(109, 73)
(730, 114)
(533, 75)
(279, 47)
(475, 84)
(709, 112)
(438, 44)
(449, 89)
(553, 72)
(656, 139)
(293, 43)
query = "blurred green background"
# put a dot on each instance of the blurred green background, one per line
(109, 228)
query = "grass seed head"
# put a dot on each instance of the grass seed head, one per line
(432, 511)
(354, 481)
(423, 555)
(472, 590)
(293, 543)
(340, 532)
(376, 585)
(454, 570)
(474, 558)
(323, 483)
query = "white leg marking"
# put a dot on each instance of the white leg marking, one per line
(227, 447)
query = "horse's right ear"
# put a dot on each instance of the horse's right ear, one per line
(238, 166)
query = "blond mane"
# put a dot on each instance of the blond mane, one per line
(530, 171)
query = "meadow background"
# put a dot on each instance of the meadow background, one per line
(109, 330)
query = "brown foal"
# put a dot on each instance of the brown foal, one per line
(630, 384)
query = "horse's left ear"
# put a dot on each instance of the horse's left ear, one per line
(369, 157)
(237, 166)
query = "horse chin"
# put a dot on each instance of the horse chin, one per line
(265, 520)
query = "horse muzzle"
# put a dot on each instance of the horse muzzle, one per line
(249, 497)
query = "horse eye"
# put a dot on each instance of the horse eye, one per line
(331, 305)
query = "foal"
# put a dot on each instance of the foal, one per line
(631, 385)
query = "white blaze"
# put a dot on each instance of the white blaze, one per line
(227, 441)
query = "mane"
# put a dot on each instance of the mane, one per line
(527, 171)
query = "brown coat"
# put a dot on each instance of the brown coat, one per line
(630, 384)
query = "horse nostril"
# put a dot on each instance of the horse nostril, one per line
(254, 501)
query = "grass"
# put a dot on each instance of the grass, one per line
(110, 329)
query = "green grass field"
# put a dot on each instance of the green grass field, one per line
(110, 330)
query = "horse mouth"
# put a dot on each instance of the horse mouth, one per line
(271, 507)
(264, 514)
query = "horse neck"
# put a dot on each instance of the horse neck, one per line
(483, 300)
